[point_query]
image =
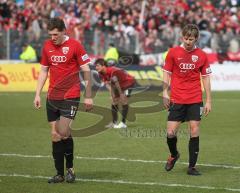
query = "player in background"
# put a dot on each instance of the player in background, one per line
(120, 84)
(182, 70)
(62, 58)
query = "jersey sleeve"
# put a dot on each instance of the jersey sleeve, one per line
(169, 61)
(117, 75)
(205, 69)
(82, 56)
(44, 58)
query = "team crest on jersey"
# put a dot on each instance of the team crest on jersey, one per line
(194, 58)
(65, 50)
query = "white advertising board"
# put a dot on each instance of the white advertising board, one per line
(225, 77)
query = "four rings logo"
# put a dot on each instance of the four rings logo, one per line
(186, 66)
(58, 59)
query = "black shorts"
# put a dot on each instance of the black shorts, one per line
(185, 112)
(66, 108)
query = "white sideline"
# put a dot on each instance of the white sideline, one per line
(119, 159)
(126, 182)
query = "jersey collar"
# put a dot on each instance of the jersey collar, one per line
(194, 47)
(66, 38)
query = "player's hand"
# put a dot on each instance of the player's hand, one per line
(207, 108)
(166, 101)
(88, 103)
(37, 102)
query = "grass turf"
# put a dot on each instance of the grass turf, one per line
(25, 131)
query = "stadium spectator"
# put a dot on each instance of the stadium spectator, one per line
(119, 83)
(111, 56)
(183, 66)
(29, 54)
(62, 57)
(118, 21)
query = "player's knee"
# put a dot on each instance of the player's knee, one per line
(115, 101)
(55, 136)
(125, 101)
(171, 133)
(194, 131)
(64, 133)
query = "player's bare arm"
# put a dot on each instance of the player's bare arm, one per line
(207, 87)
(118, 87)
(108, 86)
(166, 81)
(41, 81)
(88, 102)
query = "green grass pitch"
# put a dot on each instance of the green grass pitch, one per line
(117, 161)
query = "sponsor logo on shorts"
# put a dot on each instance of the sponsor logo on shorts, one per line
(201, 111)
(73, 111)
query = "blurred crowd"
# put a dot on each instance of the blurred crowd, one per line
(135, 26)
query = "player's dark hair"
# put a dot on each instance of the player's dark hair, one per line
(100, 61)
(190, 30)
(56, 23)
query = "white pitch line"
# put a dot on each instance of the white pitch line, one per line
(118, 159)
(126, 182)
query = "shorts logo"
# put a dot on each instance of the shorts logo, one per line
(73, 111)
(201, 111)
(186, 66)
(85, 57)
(65, 50)
(194, 58)
(58, 59)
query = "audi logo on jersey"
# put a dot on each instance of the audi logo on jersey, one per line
(58, 59)
(186, 66)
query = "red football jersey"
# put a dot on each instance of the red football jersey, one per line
(64, 63)
(185, 68)
(125, 80)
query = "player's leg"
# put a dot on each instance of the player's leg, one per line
(125, 107)
(124, 102)
(57, 145)
(68, 113)
(172, 127)
(194, 117)
(64, 125)
(115, 109)
(175, 117)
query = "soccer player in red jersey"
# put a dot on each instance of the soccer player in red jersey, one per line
(120, 84)
(182, 70)
(63, 58)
